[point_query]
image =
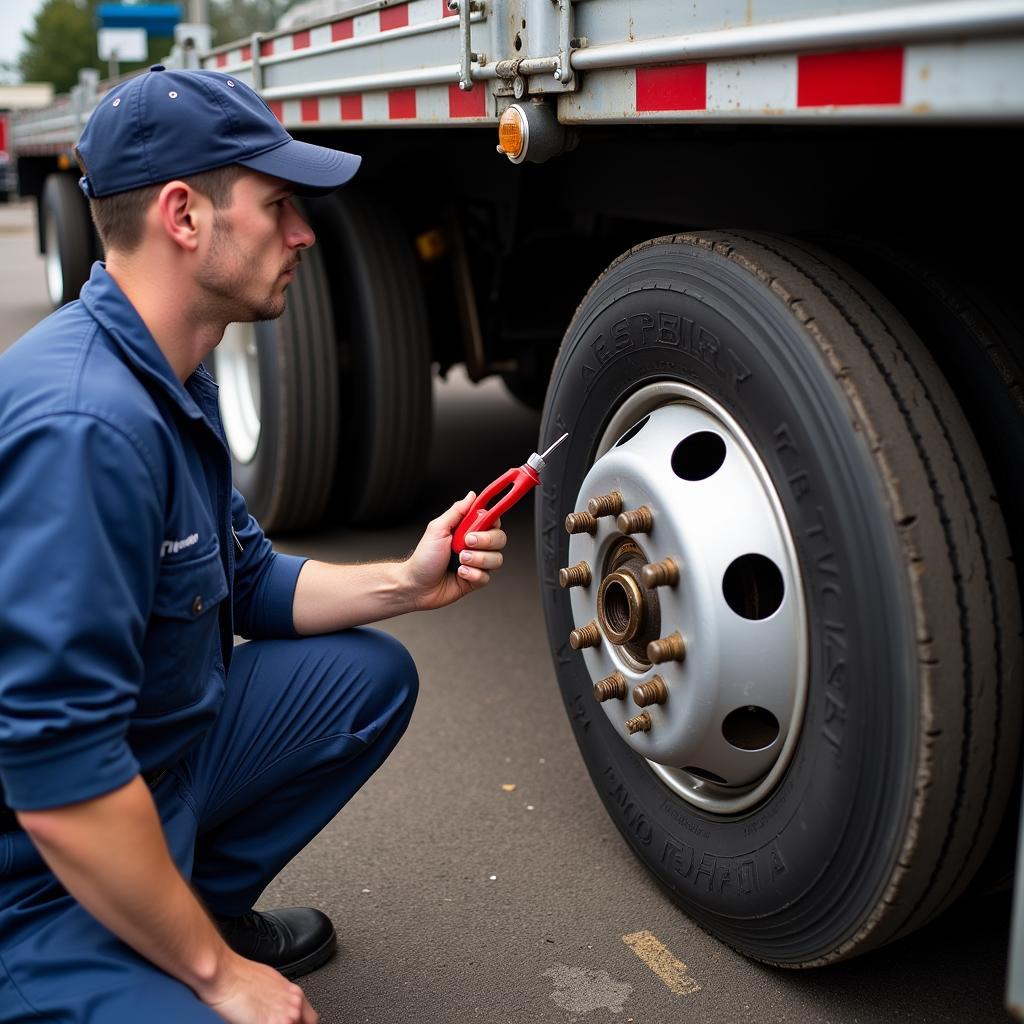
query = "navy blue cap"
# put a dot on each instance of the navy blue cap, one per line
(165, 124)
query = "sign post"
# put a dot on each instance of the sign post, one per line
(117, 44)
(124, 30)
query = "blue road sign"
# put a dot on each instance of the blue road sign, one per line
(156, 19)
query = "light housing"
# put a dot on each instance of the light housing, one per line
(531, 131)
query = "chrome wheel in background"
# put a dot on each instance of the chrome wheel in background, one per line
(238, 375)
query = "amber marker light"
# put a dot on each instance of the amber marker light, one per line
(513, 133)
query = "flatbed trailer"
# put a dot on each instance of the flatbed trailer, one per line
(760, 261)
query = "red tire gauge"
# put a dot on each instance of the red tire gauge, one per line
(516, 484)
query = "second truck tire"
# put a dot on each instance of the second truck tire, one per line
(883, 760)
(68, 235)
(384, 375)
(279, 404)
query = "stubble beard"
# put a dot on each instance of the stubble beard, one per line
(230, 280)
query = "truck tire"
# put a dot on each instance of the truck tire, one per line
(279, 404)
(974, 334)
(386, 398)
(827, 754)
(67, 233)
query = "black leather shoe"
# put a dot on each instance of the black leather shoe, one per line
(295, 940)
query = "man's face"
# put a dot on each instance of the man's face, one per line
(254, 250)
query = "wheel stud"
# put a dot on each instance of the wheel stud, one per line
(654, 691)
(639, 520)
(660, 574)
(586, 636)
(611, 686)
(605, 505)
(642, 723)
(580, 522)
(668, 648)
(577, 575)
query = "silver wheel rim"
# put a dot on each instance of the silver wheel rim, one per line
(238, 376)
(54, 270)
(728, 729)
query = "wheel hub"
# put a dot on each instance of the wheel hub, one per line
(54, 270)
(629, 613)
(238, 376)
(693, 621)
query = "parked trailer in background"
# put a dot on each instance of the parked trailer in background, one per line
(8, 177)
(777, 244)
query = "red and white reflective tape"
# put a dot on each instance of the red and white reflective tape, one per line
(977, 77)
(970, 79)
(860, 78)
(415, 12)
(425, 104)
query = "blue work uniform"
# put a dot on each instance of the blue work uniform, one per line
(127, 565)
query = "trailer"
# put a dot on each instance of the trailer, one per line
(760, 261)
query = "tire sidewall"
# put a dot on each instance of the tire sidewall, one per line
(822, 844)
(62, 206)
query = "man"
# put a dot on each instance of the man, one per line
(154, 779)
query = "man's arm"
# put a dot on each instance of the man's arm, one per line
(334, 597)
(81, 523)
(110, 854)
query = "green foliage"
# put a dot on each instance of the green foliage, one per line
(236, 19)
(63, 38)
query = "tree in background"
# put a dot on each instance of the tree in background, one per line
(235, 19)
(63, 38)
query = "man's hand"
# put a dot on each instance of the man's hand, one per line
(133, 887)
(432, 585)
(250, 993)
(334, 597)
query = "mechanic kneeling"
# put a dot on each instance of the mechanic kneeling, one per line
(154, 777)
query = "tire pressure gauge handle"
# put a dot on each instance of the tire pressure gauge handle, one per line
(512, 486)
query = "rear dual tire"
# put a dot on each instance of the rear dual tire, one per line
(907, 748)
(329, 407)
(68, 238)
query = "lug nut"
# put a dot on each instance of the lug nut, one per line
(586, 636)
(580, 522)
(605, 505)
(639, 520)
(642, 723)
(668, 648)
(660, 574)
(577, 575)
(611, 686)
(654, 691)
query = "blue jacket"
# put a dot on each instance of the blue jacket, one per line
(121, 583)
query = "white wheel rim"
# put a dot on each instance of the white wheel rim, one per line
(238, 376)
(744, 675)
(54, 270)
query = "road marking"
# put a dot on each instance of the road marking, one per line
(674, 973)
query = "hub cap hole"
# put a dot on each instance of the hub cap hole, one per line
(750, 728)
(753, 587)
(698, 456)
(702, 773)
(632, 432)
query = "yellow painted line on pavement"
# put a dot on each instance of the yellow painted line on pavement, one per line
(674, 973)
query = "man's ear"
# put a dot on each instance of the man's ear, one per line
(179, 210)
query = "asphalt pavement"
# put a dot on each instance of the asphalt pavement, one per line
(476, 876)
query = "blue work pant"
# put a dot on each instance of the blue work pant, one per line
(304, 724)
